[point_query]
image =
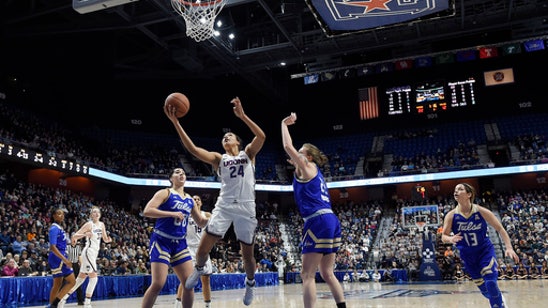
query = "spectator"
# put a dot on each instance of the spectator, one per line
(364, 276)
(5, 242)
(376, 276)
(10, 269)
(26, 270)
(122, 268)
(346, 277)
(17, 246)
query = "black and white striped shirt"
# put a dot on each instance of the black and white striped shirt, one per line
(74, 252)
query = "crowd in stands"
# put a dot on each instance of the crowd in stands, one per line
(24, 210)
(117, 151)
(24, 216)
(462, 156)
(532, 149)
(24, 223)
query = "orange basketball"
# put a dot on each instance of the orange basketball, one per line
(180, 102)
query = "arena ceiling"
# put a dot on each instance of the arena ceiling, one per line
(146, 38)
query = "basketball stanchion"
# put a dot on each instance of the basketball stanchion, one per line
(199, 16)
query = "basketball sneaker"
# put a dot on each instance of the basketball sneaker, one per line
(249, 290)
(504, 305)
(192, 281)
(178, 304)
(87, 303)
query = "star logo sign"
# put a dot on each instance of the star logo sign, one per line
(371, 5)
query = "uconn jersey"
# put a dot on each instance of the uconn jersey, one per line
(237, 175)
(193, 232)
(94, 241)
(473, 230)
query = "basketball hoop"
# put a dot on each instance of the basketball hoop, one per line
(199, 16)
(420, 225)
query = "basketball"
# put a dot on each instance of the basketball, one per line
(180, 102)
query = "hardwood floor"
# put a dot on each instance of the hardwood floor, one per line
(518, 294)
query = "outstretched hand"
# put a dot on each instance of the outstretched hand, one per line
(170, 112)
(291, 119)
(238, 109)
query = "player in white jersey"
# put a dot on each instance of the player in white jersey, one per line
(236, 202)
(193, 236)
(93, 230)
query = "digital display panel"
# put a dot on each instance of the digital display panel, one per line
(37, 158)
(430, 97)
(399, 99)
(462, 92)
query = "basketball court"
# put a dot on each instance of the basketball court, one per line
(518, 294)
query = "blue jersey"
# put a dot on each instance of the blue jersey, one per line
(473, 230)
(168, 226)
(311, 195)
(58, 237)
(476, 249)
(322, 228)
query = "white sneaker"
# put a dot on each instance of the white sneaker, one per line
(249, 290)
(61, 303)
(207, 305)
(504, 305)
(87, 303)
(178, 304)
(192, 281)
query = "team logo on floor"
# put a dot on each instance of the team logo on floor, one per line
(371, 294)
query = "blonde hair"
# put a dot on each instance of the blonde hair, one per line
(317, 156)
(95, 208)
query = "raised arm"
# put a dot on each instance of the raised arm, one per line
(258, 141)
(212, 158)
(304, 168)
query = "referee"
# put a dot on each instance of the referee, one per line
(74, 252)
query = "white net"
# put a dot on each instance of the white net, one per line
(199, 16)
(421, 225)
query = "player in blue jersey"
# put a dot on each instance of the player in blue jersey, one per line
(322, 229)
(236, 202)
(61, 267)
(171, 207)
(466, 227)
